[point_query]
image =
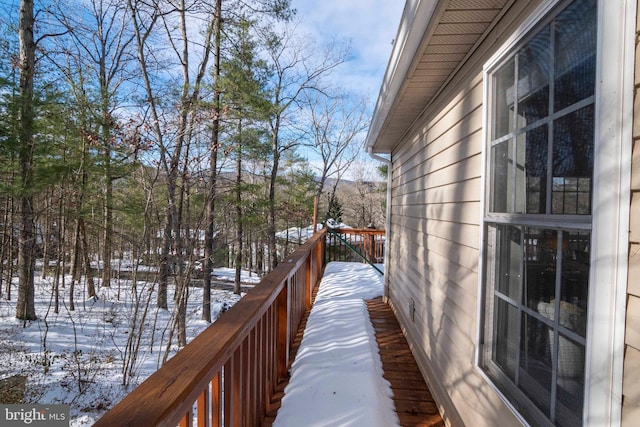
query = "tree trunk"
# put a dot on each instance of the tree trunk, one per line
(25, 308)
(271, 228)
(60, 254)
(75, 254)
(10, 261)
(107, 240)
(163, 274)
(46, 243)
(238, 261)
(207, 266)
(74, 268)
(72, 289)
(182, 298)
(91, 287)
(6, 253)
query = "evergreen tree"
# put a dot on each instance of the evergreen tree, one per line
(242, 86)
(334, 210)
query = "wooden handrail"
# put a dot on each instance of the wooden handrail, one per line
(358, 243)
(230, 371)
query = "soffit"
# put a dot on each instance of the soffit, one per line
(454, 30)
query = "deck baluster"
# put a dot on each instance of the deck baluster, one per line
(231, 371)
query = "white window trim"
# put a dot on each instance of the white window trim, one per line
(611, 205)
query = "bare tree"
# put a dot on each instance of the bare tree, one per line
(172, 16)
(367, 193)
(337, 126)
(298, 67)
(207, 265)
(106, 46)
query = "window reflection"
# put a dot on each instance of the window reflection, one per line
(523, 112)
(540, 312)
(504, 82)
(573, 162)
(536, 147)
(544, 283)
(536, 362)
(575, 35)
(502, 172)
(541, 172)
(533, 79)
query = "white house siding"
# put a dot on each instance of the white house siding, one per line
(631, 381)
(435, 240)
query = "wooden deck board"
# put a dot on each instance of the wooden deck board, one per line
(276, 401)
(414, 404)
(413, 401)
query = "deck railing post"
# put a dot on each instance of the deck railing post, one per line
(216, 394)
(232, 370)
(308, 281)
(282, 343)
(203, 408)
(322, 255)
(271, 358)
(273, 348)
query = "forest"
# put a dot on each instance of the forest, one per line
(178, 134)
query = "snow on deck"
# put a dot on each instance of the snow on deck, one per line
(336, 378)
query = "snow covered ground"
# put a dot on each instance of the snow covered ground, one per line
(77, 357)
(336, 379)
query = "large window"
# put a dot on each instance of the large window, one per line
(538, 216)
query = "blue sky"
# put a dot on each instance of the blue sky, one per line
(370, 26)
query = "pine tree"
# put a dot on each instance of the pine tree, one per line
(242, 85)
(334, 210)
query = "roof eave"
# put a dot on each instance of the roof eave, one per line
(415, 20)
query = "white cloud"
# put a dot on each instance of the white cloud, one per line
(369, 25)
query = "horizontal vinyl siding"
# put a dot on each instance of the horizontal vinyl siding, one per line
(466, 234)
(435, 224)
(435, 239)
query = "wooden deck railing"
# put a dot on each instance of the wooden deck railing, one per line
(356, 245)
(228, 374)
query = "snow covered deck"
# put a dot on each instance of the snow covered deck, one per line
(234, 372)
(350, 346)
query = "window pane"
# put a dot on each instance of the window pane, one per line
(573, 138)
(505, 330)
(575, 281)
(573, 144)
(540, 171)
(575, 51)
(570, 390)
(536, 362)
(530, 339)
(537, 149)
(540, 266)
(509, 251)
(504, 99)
(502, 177)
(520, 193)
(533, 79)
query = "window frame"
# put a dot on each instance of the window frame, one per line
(609, 221)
